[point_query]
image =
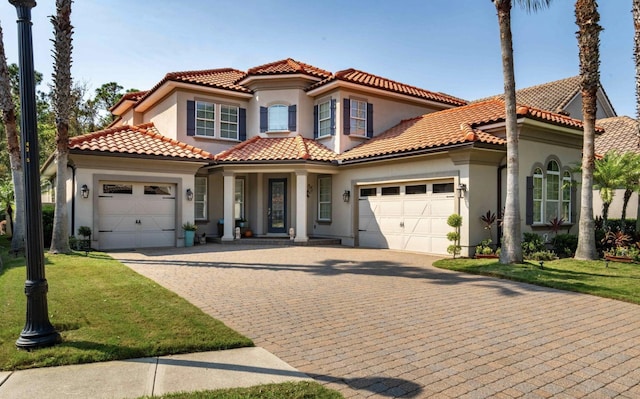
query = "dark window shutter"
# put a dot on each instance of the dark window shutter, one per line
(369, 120)
(264, 119)
(574, 203)
(315, 121)
(529, 203)
(242, 124)
(333, 117)
(191, 118)
(346, 116)
(292, 118)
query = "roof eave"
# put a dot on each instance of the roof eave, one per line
(402, 154)
(336, 84)
(139, 156)
(270, 76)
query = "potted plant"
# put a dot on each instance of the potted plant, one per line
(484, 250)
(618, 247)
(189, 233)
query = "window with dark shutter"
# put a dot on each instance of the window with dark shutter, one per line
(242, 124)
(292, 118)
(369, 120)
(346, 116)
(333, 117)
(315, 121)
(529, 202)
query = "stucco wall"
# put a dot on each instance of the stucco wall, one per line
(615, 209)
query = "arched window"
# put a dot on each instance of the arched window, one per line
(566, 196)
(553, 191)
(549, 194)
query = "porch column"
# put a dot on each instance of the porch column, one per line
(229, 183)
(258, 224)
(301, 206)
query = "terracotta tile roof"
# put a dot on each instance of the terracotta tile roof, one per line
(620, 134)
(288, 66)
(370, 80)
(132, 96)
(136, 140)
(277, 149)
(449, 127)
(550, 96)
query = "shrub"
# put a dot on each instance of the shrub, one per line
(565, 244)
(454, 221)
(541, 255)
(47, 224)
(532, 243)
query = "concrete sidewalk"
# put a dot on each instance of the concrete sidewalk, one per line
(154, 376)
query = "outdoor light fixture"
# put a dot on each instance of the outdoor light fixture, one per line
(462, 188)
(346, 195)
(84, 191)
(189, 195)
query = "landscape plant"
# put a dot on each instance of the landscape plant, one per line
(454, 221)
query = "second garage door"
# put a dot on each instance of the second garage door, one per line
(411, 216)
(136, 215)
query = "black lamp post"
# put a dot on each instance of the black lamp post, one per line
(38, 331)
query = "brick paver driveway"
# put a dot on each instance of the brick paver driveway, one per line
(375, 323)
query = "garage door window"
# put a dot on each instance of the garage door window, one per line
(117, 189)
(416, 189)
(367, 192)
(157, 190)
(440, 188)
(395, 190)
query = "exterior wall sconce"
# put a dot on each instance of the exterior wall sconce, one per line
(346, 195)
(309, 190)
(189, 195)
(84, 191)
(462, 188)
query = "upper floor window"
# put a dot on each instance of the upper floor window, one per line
(278, 117)
(358, 121)
(205, 119)
(324, 119)
(357, 118)
(549, 194)
(229, 122)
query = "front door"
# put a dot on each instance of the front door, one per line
(277, 212)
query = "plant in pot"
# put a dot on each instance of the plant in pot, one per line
(618, 248)
(189, 233)
(484, 250)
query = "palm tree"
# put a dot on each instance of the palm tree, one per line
(610, 174)
(631, 181)
(8, 110)
(587, 18)
(636, 56)
(511, 251)
(62, 104)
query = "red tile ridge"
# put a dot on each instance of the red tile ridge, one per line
(469, 132)
(179, 74)
(303, 151)
(296, 66)
(226, 152)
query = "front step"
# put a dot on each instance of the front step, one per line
(317, 241)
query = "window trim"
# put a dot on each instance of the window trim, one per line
(353, 119)
(540, 172)
(236, 123)
(203, 201)
(327, 119)
(327, 202)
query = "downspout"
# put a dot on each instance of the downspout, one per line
(499, 204)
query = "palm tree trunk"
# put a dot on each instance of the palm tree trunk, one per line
(587, 18)
(62, 107)
(8, 109)
(625, 203)
(636, 56)
(511, 251)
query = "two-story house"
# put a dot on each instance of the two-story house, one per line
(294, 149)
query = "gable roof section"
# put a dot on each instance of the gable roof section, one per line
(288, 66)
(620, 134)
(366, 79)
(277, 149)
(136, 140)
(455, 126)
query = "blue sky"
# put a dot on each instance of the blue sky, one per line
(439, 45)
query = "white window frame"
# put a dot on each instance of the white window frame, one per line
(550, 203)
(200, 197)
(324, 119)
(358, 115)
(566, 196)
(229, 127)
(538, 179)
(202, 120)
(274, 125)
(239, 200)
(324, 199)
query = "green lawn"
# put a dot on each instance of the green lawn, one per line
(288, 390)
(618, 281)
(104, 311)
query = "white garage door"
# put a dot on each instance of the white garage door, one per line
(136, 215)
(411, 216)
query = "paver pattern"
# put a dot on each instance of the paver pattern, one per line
(380, 324)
